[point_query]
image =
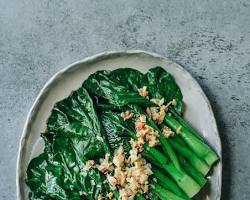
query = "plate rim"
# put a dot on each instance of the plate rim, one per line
(89, 59)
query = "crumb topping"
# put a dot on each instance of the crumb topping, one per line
(119, 157)
(158, 113)
(105, 165)
(167, 132)
(110, 195)
(158, 102)
(143, 91)
(127, 115)
(100, 197)
(89, 164)
(130, 175)
(146, 133)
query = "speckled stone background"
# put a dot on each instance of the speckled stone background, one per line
(211, 39)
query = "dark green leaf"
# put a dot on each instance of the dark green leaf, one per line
(70, 141)
(116, 130)
(99, 84)
(159, 83)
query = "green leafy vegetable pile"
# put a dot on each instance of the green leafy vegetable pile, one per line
(88, 125)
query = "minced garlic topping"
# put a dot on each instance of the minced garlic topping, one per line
(143, 91)
(105, 165)
(146, 133)
(173, 102)
(158, 102)
(158, 113)
(110, 195)
(127, 115)
(89, 164)
(167, 132)
(119, 158)
(100, 197)
(130, 175)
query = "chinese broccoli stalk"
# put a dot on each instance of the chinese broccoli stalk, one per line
(112, 122)
(201, 149)
(160, 84)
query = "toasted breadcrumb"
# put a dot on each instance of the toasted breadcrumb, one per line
(127, 115)
(143, 91)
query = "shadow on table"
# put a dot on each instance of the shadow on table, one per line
(226, 154)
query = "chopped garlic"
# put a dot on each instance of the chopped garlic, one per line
(105, 166)
(146, 133)
(157, 114)
(137, 145)
(167, 132)
(82, 193)
(174, 102)
(110, 195)
(127, 115)
(119, 157)
(100, 197)
(89, 164)
(130, 175)
(143, 91)
(158, 102)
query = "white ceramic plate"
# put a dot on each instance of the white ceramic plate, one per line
(198, 110)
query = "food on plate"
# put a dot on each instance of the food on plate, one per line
(121, 135)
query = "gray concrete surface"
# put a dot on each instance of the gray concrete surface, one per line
(211, 39)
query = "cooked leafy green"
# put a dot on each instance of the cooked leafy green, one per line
(78, 132)
(159, 83)
(70, 141)
(117, 135)
(115, 93)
